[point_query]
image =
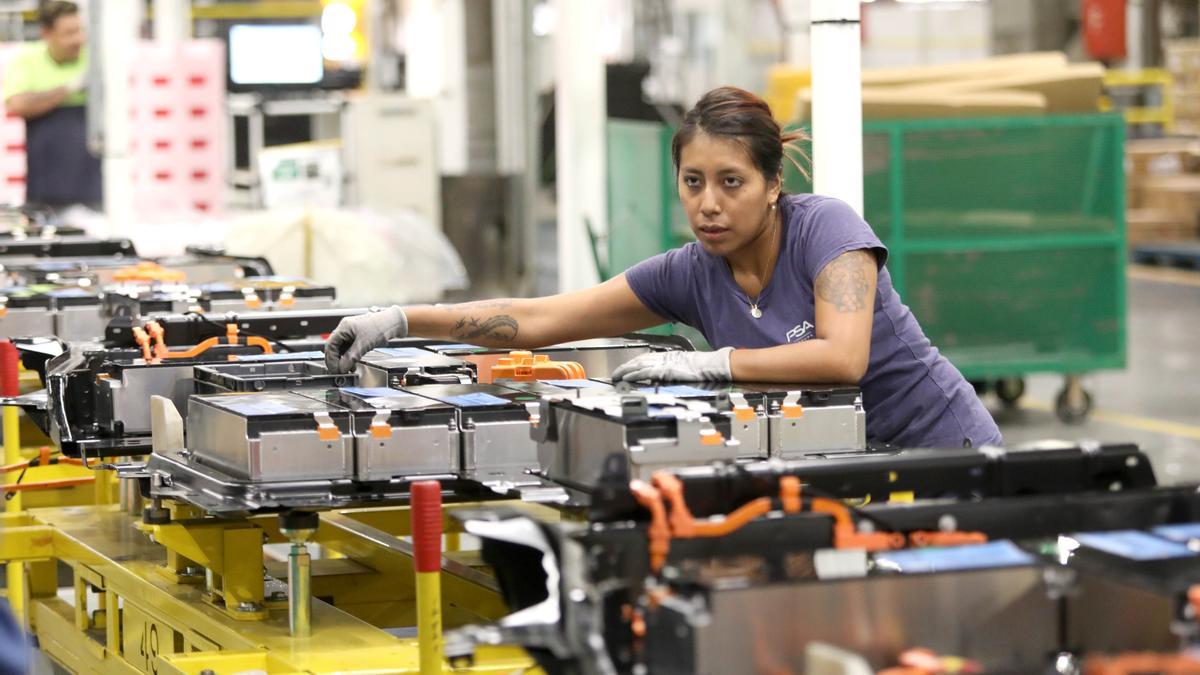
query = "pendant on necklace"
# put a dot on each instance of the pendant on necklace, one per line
(755, 312)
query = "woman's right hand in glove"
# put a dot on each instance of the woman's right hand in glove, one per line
(357, 335)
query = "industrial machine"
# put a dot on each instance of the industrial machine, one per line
(666, 528)
(1021, 562)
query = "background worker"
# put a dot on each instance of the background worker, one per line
(788, 288)
(44, 84)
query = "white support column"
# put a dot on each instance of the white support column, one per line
(1135, 31)
(837, 100)
(580, 114)
(172, 21)
(435, 68)
(114, 35)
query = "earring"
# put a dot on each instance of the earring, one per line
(772, 206)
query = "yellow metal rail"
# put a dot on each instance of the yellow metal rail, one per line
(130, 615)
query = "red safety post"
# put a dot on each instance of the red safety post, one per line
(426, 515)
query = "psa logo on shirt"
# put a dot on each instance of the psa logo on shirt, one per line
(800, 333)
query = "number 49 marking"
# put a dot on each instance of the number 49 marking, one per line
(149, 646)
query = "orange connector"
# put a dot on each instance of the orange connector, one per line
(789, 494)
(685, 526)
(157, 334)
(924, 538)
(143, 341)
(529, 367)
(847, 536)
(659, 532)
(147, 271)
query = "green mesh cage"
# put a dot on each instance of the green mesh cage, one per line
(1007, 235)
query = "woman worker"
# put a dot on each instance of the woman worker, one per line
(787, 288)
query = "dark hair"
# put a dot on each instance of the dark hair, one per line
(738, 115)
(50, 11)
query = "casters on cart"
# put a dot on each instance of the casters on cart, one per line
(1074, 403)
(1010, 390)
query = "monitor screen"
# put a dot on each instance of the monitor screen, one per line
(275, 55)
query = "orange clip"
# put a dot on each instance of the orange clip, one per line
(659, 533)
(328, 432)
(3, 312)
(792, 412)
(156, 332)
(523, 366)
(789, 494)
(231, 333)
(143, 341)
(927, 538)
(253, 301)
(671, 488)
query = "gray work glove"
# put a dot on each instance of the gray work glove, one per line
(357, 335)
(677, 367)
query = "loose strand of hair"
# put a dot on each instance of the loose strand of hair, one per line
(791, 147)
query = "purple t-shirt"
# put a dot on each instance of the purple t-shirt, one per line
(913, 396)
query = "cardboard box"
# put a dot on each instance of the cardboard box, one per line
(998, 66)
(1074, 88)
(1176, 195)
(901, 103)
(1149, 225)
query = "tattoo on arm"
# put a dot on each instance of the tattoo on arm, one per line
(470, 325)
(499, 328)
(843, 282)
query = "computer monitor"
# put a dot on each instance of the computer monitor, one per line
(265, 56)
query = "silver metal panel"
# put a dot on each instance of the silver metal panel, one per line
(1000, 617)
(223, 439)
(370, 376)
(496, 450)
(820, 429)
(1144, 623)
(80, 323)
(753, 435)
(300, 455)
(131, 394)
(27, 323)
(585, 443)
(432, 449)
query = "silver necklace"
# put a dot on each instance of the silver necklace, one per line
(754, 310)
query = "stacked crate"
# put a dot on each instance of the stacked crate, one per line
(1162, 180)
(12, 143)
(178, 95)
(1183, 62)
